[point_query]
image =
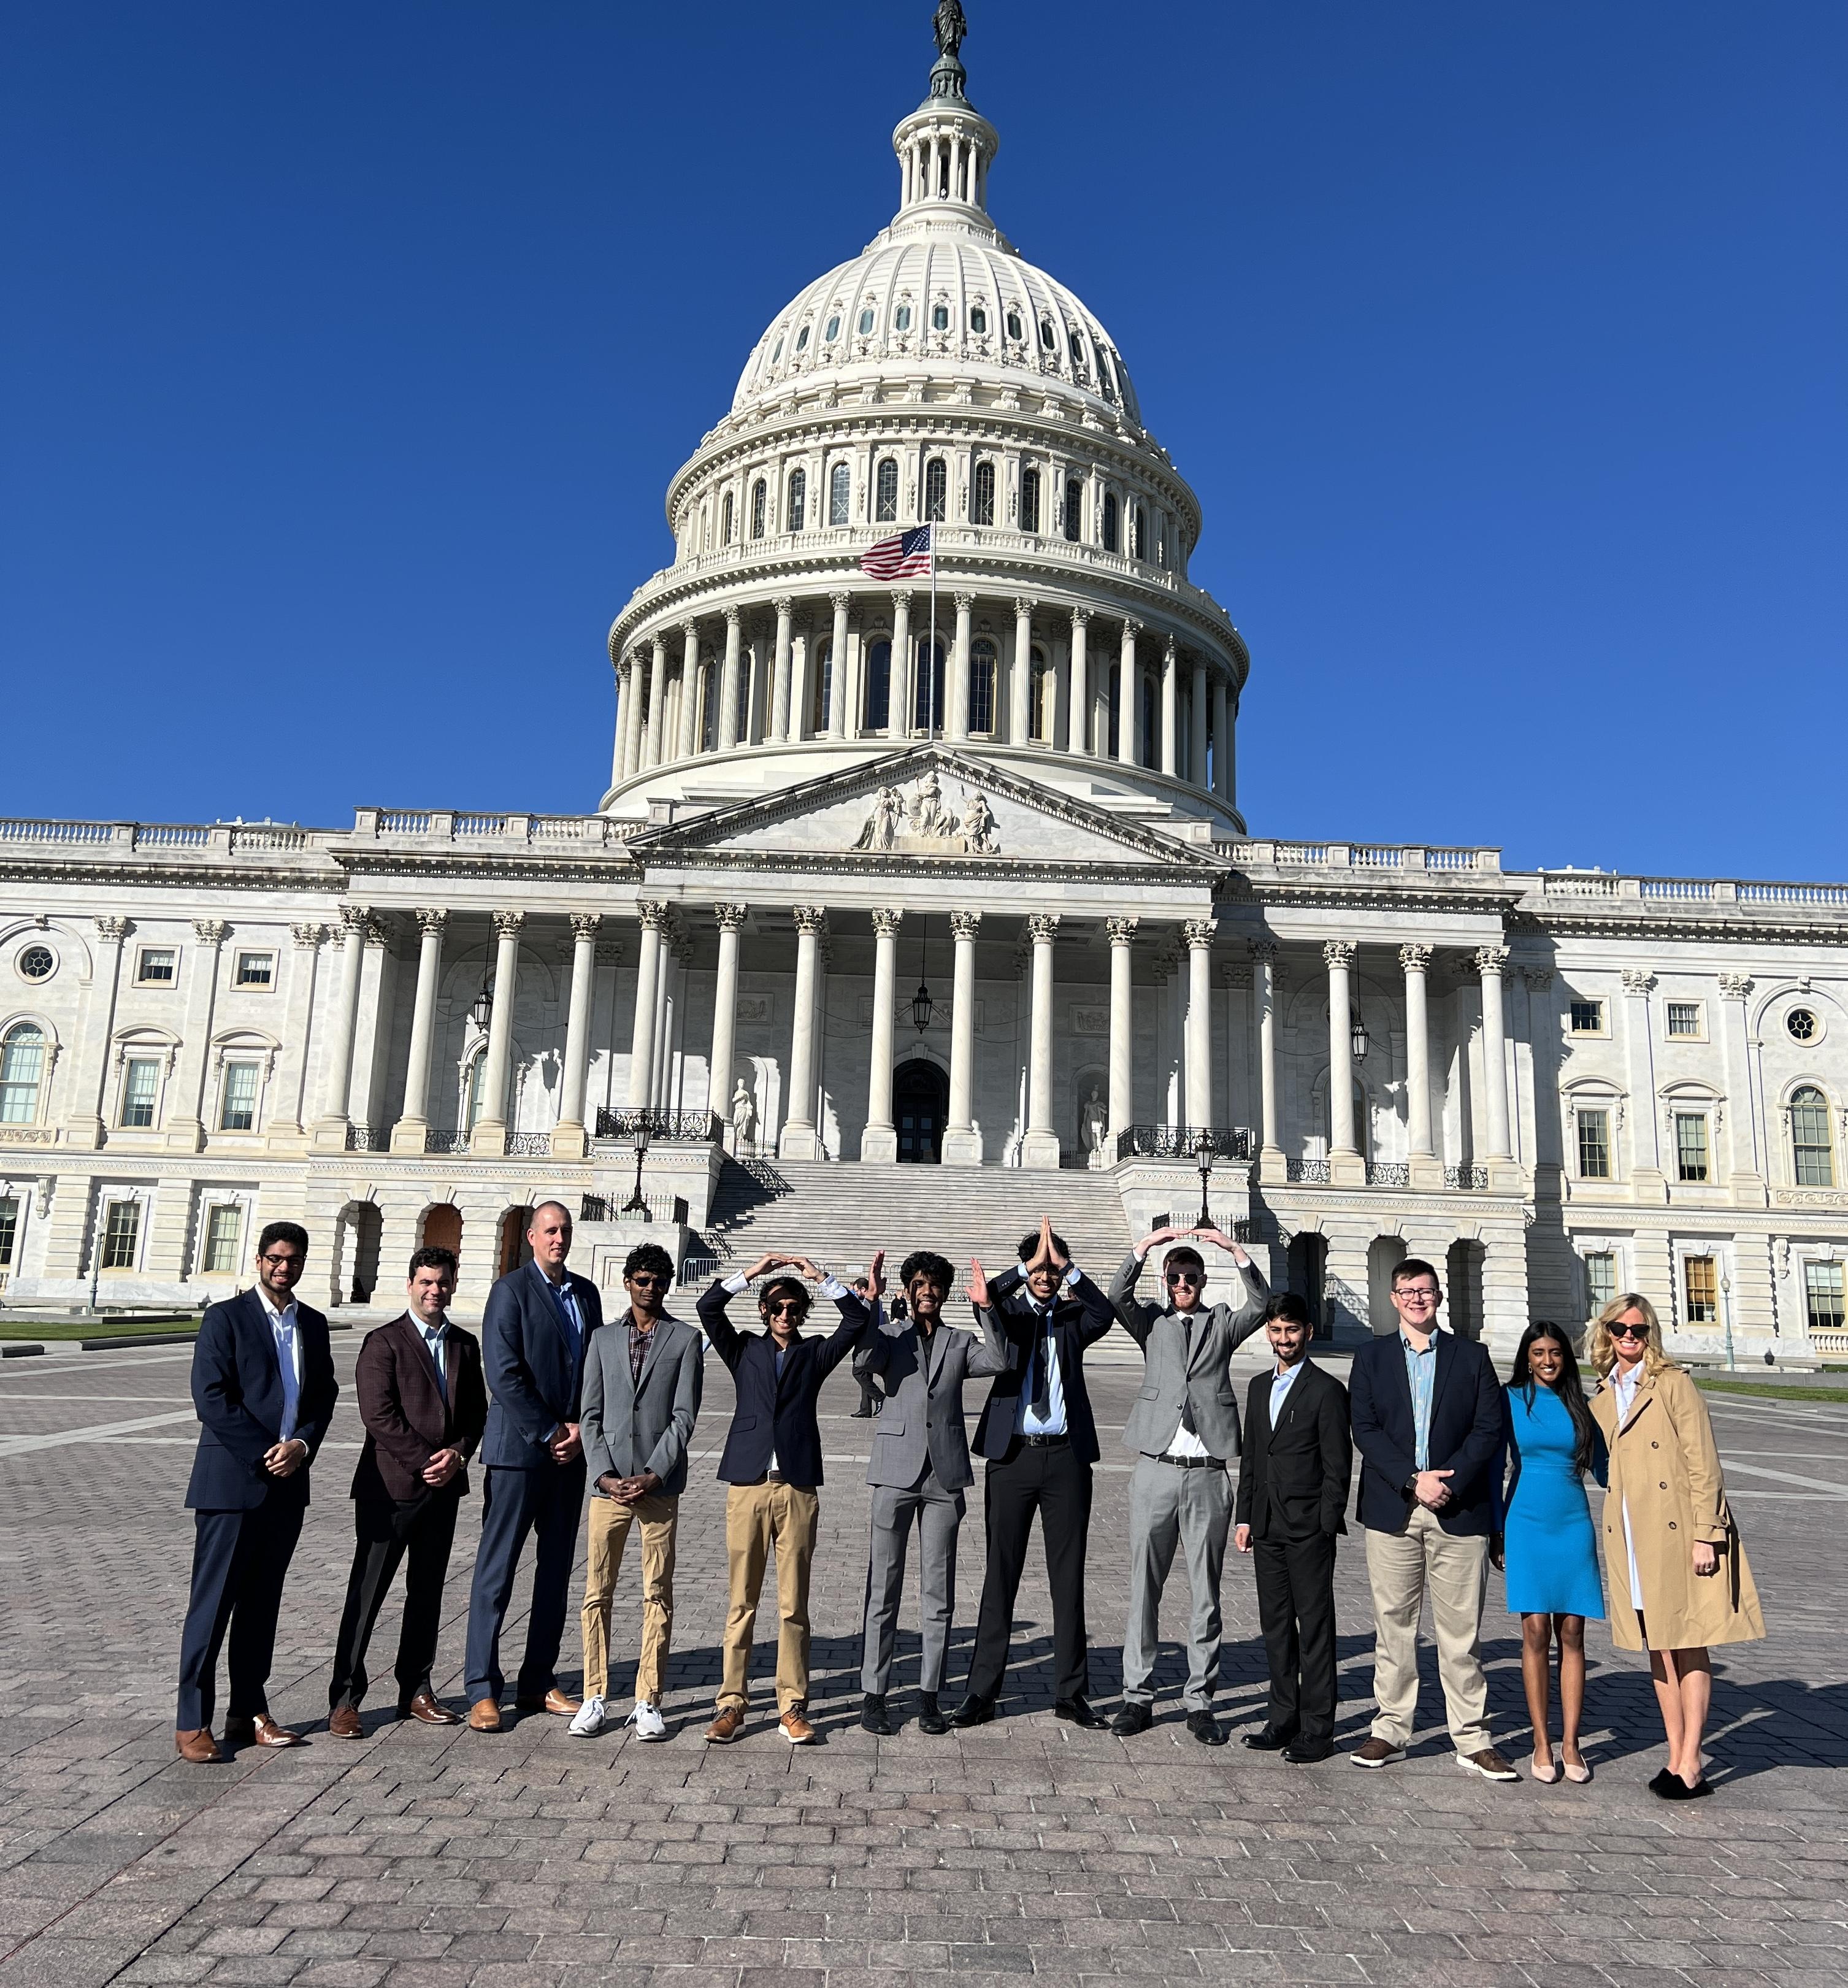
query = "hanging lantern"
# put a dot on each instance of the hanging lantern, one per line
(1357, 1037)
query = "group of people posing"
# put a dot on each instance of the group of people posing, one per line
(1456, 1471)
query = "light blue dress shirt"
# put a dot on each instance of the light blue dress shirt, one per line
(436, 1339)
(1052, 1422)
(1421, 1374)
(1280, 1387)
(288, 1361)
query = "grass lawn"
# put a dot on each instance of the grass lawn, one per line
(93, 1328)
(1771, 1391)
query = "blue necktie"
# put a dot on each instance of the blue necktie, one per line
(434, 1341)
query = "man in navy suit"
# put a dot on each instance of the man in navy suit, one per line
(534, 1332)
(263, 1386)
(1426, 1412)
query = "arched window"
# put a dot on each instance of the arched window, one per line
(1161, 538)
(984, 511)
(927, 689)
(885, 503)
(831, 330)
(798, 499)
(940, 317)
(1109, 521)
(1811, 1156)
(759, 500)
(978, 322)
(802, 340)
(879, 686)
(901, 318)
(1139, 533)
(865, 322)
(824, 688)
(1077, 338)
(982, 685)
(1074, 509)
(840, 484)
(1048, 338)
(472, 1088)
(21, 1072)
(1029, 500)
(937, 489)
(1046, 684)
(724, 538)
(1015, 329)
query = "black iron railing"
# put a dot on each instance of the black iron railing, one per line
(1389, 1173)
(1182, 1142)
(445, 1139)
(631, 1122)
(529, 1145)
(368, 1139)
(1476, 1178)
(1307, 1173)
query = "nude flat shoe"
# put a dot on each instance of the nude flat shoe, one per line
(1546, 1775)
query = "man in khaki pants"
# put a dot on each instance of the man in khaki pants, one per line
(642, 1376)
(1427, 1416)
(772, 1462)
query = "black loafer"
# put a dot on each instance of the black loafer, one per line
(1076, 1711)
(1205, 1728)
(873, 1715)
(1306, 1753)
(1134, 1717)
(974, 1710)
(1269, 1741)
(929, 1714)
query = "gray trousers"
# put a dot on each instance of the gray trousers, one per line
(1192, 1509)
(937, 1514)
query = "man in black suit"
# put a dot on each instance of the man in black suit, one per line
(424, 1404)
(1040, 1438)
(263, 1386)
(1292, 1484)
(772, 1463)
(539, 1321)
(1428, 1417)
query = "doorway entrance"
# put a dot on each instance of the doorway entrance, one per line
(920, 1103)
(515, 1249)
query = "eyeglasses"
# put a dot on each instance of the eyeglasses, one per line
(278, 1261)
(1417, 1296)
(1623, 1329)
(1189, 1277)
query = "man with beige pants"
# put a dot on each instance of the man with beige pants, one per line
(1427, 1416)
(772, 1462)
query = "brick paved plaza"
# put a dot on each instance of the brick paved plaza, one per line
(434, 1859)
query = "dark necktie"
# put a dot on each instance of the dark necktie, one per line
(1187, 1367)
(1042, 1366)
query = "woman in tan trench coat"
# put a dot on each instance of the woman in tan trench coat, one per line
(1673, 1560)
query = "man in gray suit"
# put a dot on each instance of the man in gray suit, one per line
(644, 1374)
(1183, 1429)
(919, 1471)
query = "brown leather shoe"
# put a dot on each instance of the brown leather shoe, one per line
(196, 1745)
(425, 1710)
(1489, 1764)
(795, 1727)
(560, 1703)
(1376, 1753)
(727, 1726)
(261, 1731)
(483, 1716)
(344, 1722)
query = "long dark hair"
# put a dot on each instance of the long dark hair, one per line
(1570, 1388)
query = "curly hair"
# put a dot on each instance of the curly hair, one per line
(1602, 1355)
(937, 1268)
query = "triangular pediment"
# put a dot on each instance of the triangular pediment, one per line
(928, 807)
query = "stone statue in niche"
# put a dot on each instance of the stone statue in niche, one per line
(744, 1119)
(1094, 1124)
(926, 824)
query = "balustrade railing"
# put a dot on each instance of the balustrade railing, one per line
(631, 1123)
(445, 1139)
(1182, 1142)
(1389, 1173)
(1467, 1176)
(529, 1145)
(1305, 1173)
(368, 1138)
(608, 1208)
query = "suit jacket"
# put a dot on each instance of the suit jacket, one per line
(776, 1415)
(922, 1421)
(1081, 1317)
(1170, 1377)
(237, 1390)
(629, 1427)
(1293, 1480)
(534, 1373)
(409, 1416)
(1465, 1433)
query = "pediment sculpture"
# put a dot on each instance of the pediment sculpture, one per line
(923, 824)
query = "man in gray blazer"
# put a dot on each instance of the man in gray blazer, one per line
(644, 1374)
(1183, 1429)
(919, 1471)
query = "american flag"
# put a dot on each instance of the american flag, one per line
(908, 556)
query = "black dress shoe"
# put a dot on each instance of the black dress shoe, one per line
(873, 1715)
(1306, 1752)
(1076, 1711)
(974, 1710)
(929, 1714)
(1205, 1728)
(1269, 1741)
(1133, 1718)
(1660, 1785)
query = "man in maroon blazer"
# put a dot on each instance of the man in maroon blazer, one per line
(424, 1403)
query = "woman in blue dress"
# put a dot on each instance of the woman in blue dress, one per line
(1551, 1552)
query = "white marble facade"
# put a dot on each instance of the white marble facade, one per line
(1556, 1083)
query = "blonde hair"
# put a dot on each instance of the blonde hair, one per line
(1603, 1354)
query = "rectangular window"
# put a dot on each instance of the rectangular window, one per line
(140, 1090)
(1700, 1285)
(121, 1233)
(1588, 1018)
(1594, 1145)
(256, 969)
(158, 966)
(9, 1230)
(224, 1229)
(1600, 1280)
(1822, 1294)
(239, 1111)
(1690, 1145)
(1684, 1019)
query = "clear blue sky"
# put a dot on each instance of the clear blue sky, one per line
(348, 351)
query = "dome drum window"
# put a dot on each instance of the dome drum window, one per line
(983, 669)
(759, 498)
(1048, 337)
(777, 353)
(982, 509)
(1109, 534)
(839, 488)
(937, 489)
(831, 330)
(866, 322)
(1029, 500)
(799, 499)
(886, 493)
(940, 317)
(978, 322)
(725, 521)
(901, 318)
(1016, 330)
(1074, 509)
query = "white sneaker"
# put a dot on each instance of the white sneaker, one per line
(647, 1721)
(590, 1718)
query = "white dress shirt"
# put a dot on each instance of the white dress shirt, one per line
(1623, 1388)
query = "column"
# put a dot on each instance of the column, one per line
(490, 1134)
(1427, 1171)
(898, 712)
(655, 750)
(1197, 756)
(1170, 702)
(1129, 697)
(779, 709)
(799, 1140)
(1020, 684)
(1079, 735)
(689, 690)
(1225, 785)
(186, 1122)
(1747, 1168)
(1263, 995)
(330, 1127)
(1122, 933)
(961, 1145)
(957, 695)
(1346, 1167)
(837, 666)
(1040, 1147)
(724, 1014)
(647, 977)
(729, 684)
(638, 714)
(879, 1142)
(84, 1128)
(1198, 933)
(414, 1121)
(1490, 960)
(569, 1139)
(1648, 1181)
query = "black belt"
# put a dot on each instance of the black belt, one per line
(1187, 1462)
(1046, 1441)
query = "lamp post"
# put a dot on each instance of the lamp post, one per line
(635, 1205)
(1726, 1314)
(1358, 1040)
(1203, 1159)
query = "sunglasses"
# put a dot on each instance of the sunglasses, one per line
(1622, 1331)
(786, 1305)
(647, 1277)
(1184, 1277)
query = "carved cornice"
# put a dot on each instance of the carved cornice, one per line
(1415, 958)
(731, 917)
(1338, 952)
(1122, 931)
(585, 924)
(1198, 933)
(431, 917)
(886, 921)
(965, 925)
(1042, 927)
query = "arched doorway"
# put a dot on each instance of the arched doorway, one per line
(443, 1227)
(1307, 1273)
(1384, 1255)
(921, 1104)
(356, 1253)
(1463, 1281)
(515, 1249)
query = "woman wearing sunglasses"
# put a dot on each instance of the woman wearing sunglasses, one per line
(1675, 1568)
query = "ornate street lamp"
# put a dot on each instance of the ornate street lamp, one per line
(1357, 1037)
(480, 1010)
(921, 1005)
(1203, 1159)
(635, 1205)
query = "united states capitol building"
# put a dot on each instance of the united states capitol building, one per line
(946, 872)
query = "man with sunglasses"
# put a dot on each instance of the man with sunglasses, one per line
(1183, 1432)
(643, 1379)
(772, 1463)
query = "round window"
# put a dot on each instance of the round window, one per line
(37, 962)
(901, 318)
(978, 322)
(1803, 1025)
(866, 321)
(940, 317)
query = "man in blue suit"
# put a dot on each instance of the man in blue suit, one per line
(534, 1332)
(263, 1386)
